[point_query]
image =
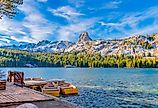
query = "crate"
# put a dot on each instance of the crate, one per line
(2, 84)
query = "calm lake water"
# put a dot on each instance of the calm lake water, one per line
(105, 87)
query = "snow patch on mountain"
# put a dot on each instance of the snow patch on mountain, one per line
(41, 46)
(132, 46)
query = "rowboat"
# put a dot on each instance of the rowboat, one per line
(35, 83)
(69, 90)
(53, 87)
(65, 87)
(50, 89)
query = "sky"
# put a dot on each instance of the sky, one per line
(65, 19)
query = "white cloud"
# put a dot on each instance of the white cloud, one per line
(13, 28)
(112, 5)
(42, 0)
(22, 39)
(146, 30)
(76, 24)
(39, 27)
(9, 27)
(77, 3)
(69, 32)
(66, 12)
(110, 24)
(33, 27)
(132, 20)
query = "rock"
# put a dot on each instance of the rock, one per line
(27, 105)
(84, 37)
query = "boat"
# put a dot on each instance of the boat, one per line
(50, 89)
(69, 90)
(70, 66)
(34, 79)
(35, 83)
(53, 87)
(65, 87)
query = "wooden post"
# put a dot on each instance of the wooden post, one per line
(10, 77)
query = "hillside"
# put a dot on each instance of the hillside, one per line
(17, 58)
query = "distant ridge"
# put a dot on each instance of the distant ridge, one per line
(132, 46)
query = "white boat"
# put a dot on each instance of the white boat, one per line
(70, 66)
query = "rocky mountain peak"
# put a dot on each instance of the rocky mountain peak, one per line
(156, 35)
(43, 42)
(84, 37)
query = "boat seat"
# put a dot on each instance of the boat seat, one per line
(66, 87)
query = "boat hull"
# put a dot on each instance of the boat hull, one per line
(51, 92)
(69, 90)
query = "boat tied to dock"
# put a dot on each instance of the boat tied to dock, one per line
(53, 87)
(65, 87)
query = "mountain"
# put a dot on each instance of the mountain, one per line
(41, 46)
(132, 46)
(84, 37)
(50, 46)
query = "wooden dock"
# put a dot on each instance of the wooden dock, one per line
(15, 95)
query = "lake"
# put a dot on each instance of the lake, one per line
(105, 87)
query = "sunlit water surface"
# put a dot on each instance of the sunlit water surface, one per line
(105, 87)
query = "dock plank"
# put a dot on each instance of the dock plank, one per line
(15, 95)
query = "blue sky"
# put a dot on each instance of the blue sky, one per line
(66, 19)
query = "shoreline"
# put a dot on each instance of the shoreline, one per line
(87, 67)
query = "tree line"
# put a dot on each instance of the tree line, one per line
(17, 58)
